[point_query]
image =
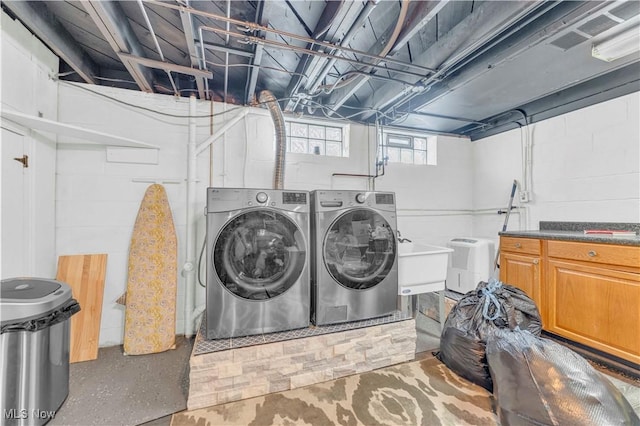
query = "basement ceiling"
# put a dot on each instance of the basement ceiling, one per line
(473, 68)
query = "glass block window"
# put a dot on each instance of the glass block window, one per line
(306, 137)
(406, 148)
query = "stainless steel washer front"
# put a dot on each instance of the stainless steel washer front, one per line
(258, 275)
(354, 273)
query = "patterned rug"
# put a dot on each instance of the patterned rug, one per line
(422, 392)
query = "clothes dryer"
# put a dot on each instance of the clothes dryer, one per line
(354, 270)
(257, 249)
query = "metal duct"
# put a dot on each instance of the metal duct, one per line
(267, 98)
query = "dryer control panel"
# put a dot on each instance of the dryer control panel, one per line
(336, 200)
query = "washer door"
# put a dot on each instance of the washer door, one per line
(359, 249)
(259, 254)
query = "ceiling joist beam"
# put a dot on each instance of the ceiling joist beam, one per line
(42, 23)
(196, 61)
(166, 66)
(252, 75)
(114, 26)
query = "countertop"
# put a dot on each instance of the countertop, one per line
(574, 231)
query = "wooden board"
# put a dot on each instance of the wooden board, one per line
(85, 274)
(150, 315)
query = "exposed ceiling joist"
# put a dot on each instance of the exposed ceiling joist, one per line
(488, 21)
(115, 28)
(194, 57)
(166, 66)
(252, 78)
(329, 14)
(447, 66)
(37, 17)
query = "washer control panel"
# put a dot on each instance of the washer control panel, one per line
(262, 197)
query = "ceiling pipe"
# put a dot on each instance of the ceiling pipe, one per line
(250, 26)
(252, 39)
(155, 41)
(428, 12)
(474, 47)
(226, 56)
(357, 25)
(404, 7)
(252, 79)
(331, 10)
(390, 43)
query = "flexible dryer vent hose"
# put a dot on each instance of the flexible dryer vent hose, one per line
(266, 97)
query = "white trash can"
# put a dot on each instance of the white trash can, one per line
(34, 348)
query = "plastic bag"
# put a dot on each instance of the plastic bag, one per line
(61, 314)
(491, 306)
(537, 381)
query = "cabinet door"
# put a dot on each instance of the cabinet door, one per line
(522, 271)
(595, 305)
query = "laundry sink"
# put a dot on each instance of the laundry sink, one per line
(422, 268)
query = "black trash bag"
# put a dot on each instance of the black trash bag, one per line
(537, 381)
(491, 306)
(59, 315)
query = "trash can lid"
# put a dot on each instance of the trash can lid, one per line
(26, 298)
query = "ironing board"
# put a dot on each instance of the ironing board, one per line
(150, 313)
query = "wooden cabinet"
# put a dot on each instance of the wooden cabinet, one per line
(520, 266)
(586, 292)
(593, 296)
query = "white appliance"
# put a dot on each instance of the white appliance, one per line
(470, 263)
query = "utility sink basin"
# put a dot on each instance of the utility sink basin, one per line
(422, 268)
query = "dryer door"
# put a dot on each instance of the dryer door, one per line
(259, 254)
(359, 249)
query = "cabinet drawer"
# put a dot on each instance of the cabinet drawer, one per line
(597, 253)
(520, 245)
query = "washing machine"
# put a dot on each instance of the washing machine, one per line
(258, 276)
(354, 272)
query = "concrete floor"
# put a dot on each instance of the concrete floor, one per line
(126, 390)
(147, 389)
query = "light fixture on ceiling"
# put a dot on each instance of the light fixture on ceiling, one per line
(618, 46)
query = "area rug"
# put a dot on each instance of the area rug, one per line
(422, 392)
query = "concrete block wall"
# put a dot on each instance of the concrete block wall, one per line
(585, 167)
(234, 374)
(97, 200)
(28, 86)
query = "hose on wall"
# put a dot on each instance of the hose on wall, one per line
(267, 98)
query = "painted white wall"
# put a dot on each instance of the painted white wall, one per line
(27, 86)
(585, 167)
(97, 200)
(434, 203)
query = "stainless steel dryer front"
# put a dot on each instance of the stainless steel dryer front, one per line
(257, 249)
(354, 273)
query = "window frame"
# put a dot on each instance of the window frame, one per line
(344, 142)
(409, 148)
